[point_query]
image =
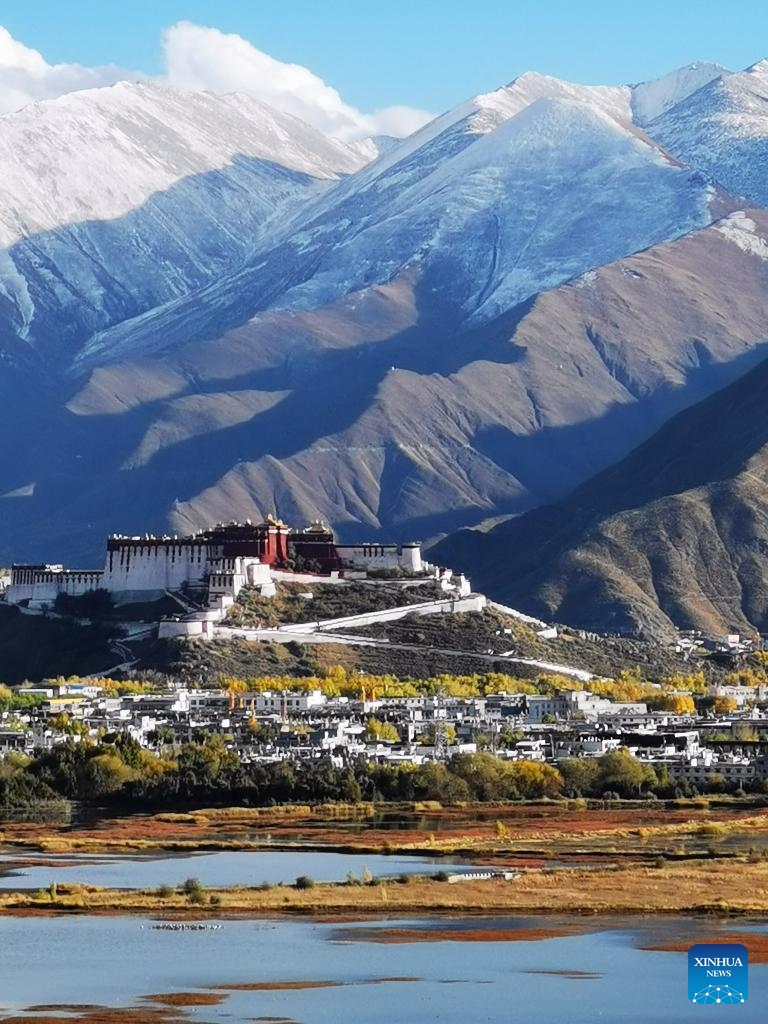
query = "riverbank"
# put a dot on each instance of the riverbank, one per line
(716, 886)
(546, 830)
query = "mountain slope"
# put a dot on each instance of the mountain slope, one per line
(380, 373)
(471, 324)
(722, 129)
(652, 99)
(122, 198)
(485, 188)
(675, 534)
(385, 421)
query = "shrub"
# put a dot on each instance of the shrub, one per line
(404, 879)
(305, 882)
(164, 891)
(214, 899)
(191, 885)
(440, 876)
(713, 828)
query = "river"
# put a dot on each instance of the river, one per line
(219, 870)
(447, 974)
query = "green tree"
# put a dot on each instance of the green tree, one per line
(621, 772)
(486, 776)
(434, 781)
(106, 773)
(580, 776)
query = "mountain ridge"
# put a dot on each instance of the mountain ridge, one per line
(674, 535)
(184, 181)
(404, 339)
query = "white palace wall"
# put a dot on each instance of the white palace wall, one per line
(139, 569)
(148, 565)
(381, 556)
(41, 585)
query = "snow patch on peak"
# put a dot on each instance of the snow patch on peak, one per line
(484, 113)
(374, 146)
(740, 229)
(760, 67)
(612, 100)
(722, 131)
(99, 154)
(653, 98)
(551, 114)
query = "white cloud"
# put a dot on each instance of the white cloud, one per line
(198, 58)
(205, 58)
(25, 75)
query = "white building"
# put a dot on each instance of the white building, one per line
(381, 556)
(212, 565)
(270, 702)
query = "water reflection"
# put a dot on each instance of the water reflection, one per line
(318, 972)
(225, 868)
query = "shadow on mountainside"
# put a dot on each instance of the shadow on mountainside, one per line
(85, 277)
(82, 494)
(575, 559)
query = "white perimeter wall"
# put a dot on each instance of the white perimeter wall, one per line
(134, 566)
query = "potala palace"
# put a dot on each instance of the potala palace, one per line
(212, 565)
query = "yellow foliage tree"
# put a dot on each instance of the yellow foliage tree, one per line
(724, 705)
(677, 703)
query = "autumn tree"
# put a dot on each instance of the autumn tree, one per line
(428, 735)
(676, 703)
(378, 731)
(534, 779)
(724, 705)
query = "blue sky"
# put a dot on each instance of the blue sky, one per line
(423, 53)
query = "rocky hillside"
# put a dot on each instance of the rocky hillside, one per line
(676, 533)
(722, 129)
(210, 309)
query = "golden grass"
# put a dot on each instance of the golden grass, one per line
(545, 830)
(692, 886)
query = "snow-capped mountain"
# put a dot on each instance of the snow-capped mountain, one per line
(722, 129)
(402, 337)
(115, 200)
(514, 192)
(652, 99)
